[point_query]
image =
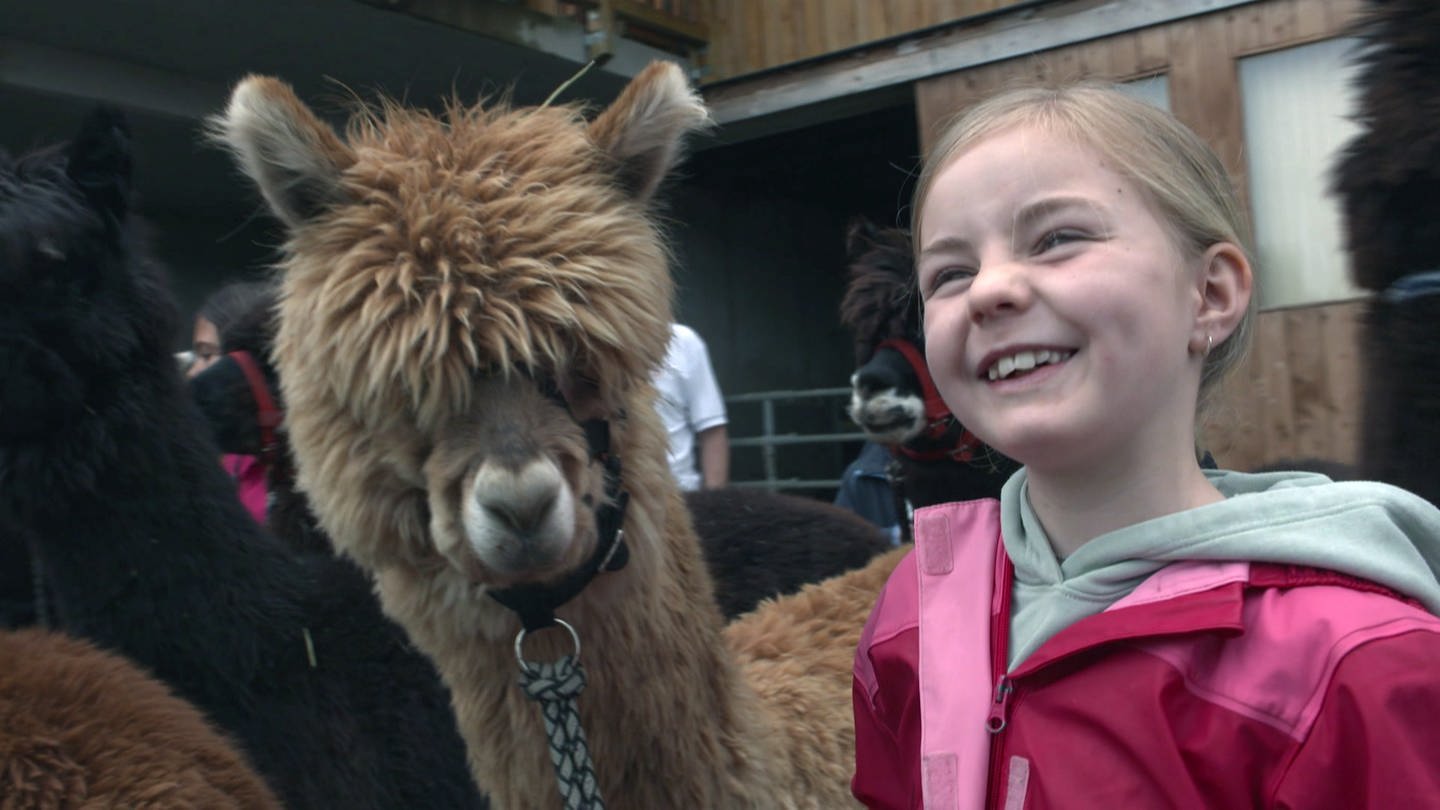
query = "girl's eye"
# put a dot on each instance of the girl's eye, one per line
(951, 275)
(1056, 238)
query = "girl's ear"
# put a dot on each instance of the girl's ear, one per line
(1225, 284)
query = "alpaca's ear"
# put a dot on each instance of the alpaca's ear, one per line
(642, 131)
(860, 234)
(98, 160)
(294, 157)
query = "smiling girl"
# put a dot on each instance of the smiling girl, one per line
(1123, 629)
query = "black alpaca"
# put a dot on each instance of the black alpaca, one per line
(758, 545)
(892, 398)
(1387, 179)
(113, 502)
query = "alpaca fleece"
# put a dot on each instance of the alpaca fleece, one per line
(81, 728)
(108, 476)
(443, 278)
(1386, 179)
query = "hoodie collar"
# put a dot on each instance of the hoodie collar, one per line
(1368, 530)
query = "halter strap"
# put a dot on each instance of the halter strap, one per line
(535, 604)
(268, 415)
(951, 439)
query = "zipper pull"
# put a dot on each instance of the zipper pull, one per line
(1000, 709)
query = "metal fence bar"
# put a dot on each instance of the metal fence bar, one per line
(796, 438)
(790, 483)
(767, 414)
(769, 441)
(804, 393)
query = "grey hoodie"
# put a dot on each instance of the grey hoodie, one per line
(1373, 531)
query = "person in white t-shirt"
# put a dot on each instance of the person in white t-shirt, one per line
(693, 412)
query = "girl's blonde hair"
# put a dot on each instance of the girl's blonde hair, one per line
(1163, 158)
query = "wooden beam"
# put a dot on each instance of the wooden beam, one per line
(955, 47)
(693, 33)
(517, 25)
(56, 71)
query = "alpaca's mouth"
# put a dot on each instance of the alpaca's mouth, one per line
(888, 417)
(892, 419)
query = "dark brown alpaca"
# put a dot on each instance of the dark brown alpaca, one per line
(81, 728)
(892, 399)
(1387, 180)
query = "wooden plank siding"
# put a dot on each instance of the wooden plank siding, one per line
(1297, 395)
(752, 35)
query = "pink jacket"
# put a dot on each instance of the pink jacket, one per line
(1212, 685)
(250, 483)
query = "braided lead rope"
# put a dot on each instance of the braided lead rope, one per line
(556, 686)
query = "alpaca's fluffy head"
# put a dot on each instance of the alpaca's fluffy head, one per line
(79, 308)
(880, 300)
(457, 292)
(1388, 174)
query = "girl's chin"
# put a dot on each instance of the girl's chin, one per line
(1034, 444)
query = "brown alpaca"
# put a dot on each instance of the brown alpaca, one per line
(458, 295)
(81, 728)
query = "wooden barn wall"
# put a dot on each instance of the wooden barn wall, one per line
(1299, 393)
(751, 35)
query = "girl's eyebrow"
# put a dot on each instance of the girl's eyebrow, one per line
(948, 244)
(1032, 212)
(1026, 217)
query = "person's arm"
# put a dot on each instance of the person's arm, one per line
(1374, 744)
(713, 445)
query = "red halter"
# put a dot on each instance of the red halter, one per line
(939, 422)
(267, 415)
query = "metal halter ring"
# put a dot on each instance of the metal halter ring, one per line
(520, 643)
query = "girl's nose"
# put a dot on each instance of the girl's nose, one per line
(999, 288)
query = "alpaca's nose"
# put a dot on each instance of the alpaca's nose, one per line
(519, 520)
(523, 501)
(874, 377)
(524, 516)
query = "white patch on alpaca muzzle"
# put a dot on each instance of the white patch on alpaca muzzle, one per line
(887, 416)
(522, 520)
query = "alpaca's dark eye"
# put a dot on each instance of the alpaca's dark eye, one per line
(546, 384)
(548, 387)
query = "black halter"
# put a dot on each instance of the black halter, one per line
(536, 604)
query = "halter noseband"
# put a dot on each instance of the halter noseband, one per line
(535, 604)
(948, 439)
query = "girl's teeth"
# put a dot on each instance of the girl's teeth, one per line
(1024, 361)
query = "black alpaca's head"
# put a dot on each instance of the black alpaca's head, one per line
(880, 304)
(1388, 175)
(79, 306)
